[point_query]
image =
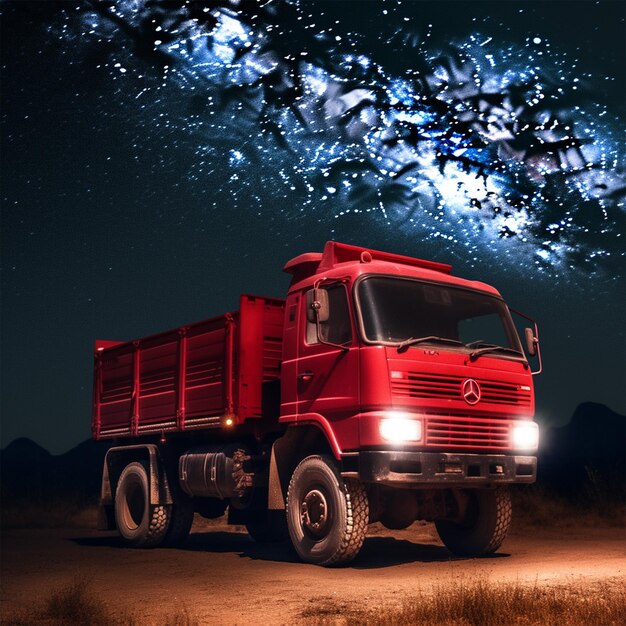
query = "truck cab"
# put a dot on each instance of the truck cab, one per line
(418, 381)
(372, 345)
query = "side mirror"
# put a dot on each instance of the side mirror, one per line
(317, 307)
(531, 341)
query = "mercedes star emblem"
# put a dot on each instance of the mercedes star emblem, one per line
(471, 391)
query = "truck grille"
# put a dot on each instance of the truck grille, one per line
(444, 387)
(444, 431)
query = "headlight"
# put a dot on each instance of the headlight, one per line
(399, 428)
(525, 436)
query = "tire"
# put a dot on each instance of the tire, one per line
(327, 515)
(267, 526)
(181, 520)
(140, 524)
(485, 527)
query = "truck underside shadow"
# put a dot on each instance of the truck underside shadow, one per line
(376, 553)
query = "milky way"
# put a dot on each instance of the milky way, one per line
(494, 148)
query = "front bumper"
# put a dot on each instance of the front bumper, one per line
(411, 469)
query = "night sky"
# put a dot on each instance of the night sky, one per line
(158, 160)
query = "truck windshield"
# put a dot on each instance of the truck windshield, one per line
(397, 311)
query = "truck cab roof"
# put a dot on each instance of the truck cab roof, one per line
(341, 260)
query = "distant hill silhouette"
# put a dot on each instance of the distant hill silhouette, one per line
(594, 432)
(588, 451)
(28, 471)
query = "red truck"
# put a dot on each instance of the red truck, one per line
(382, 389)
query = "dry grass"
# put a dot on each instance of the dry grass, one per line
(71, 604)
(56, 514)
(536, 507)
(483, 603)
(458, 603)
(75, 604)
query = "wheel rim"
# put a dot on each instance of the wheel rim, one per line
(134, 504)
(315, 514)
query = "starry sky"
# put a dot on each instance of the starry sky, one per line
(159, 159)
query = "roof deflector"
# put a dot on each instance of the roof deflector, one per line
(303, 265)
(335, 252)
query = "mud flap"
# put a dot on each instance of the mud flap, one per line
(114, 462)
(275, 496)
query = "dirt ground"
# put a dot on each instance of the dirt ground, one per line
(222, 577)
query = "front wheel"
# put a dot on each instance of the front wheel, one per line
(485, 525)
(327, 515)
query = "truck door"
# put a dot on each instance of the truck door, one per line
(328, 376)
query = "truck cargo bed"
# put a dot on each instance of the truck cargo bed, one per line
(190, 377)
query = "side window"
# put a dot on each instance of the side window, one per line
(338, 328)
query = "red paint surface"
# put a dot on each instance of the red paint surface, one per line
(192, 376)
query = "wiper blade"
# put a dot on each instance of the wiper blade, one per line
(492, 348)
(403, 346)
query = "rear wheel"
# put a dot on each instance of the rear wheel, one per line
(485, 525)
(327, 515)
(181, 520)
(140, 524)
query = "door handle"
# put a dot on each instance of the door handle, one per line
(306, 376)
